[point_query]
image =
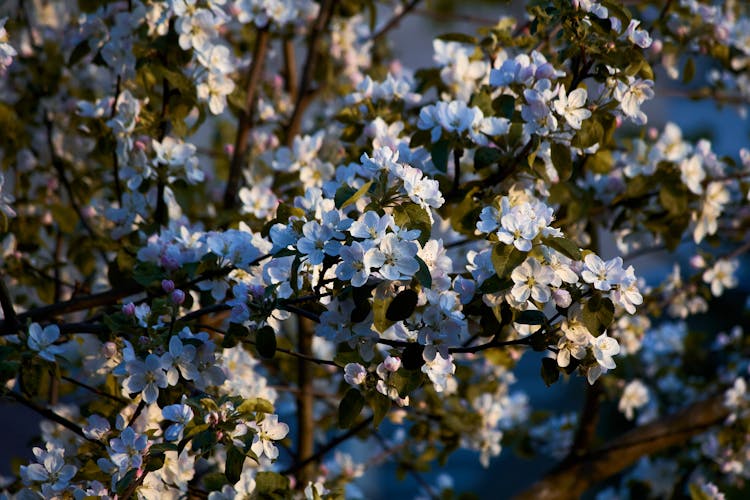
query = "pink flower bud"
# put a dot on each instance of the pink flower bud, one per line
(167, 285)
(128, 309)
(169, 263)
(697, 261)
(229, 149)
(178, 297)
(109, 349)
(392, 364)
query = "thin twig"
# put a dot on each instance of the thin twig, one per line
(394, 21)
(246, 119)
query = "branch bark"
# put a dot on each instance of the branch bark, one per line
(246, 119)
(304, 92)
(574, 476)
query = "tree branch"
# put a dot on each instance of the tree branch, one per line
(394, 21)
(245, 124)
(573, 477)
(304, 93)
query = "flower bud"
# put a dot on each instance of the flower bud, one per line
(109, 349)
(392, 364)
(128, 309)
(178, 297)
(167, 285)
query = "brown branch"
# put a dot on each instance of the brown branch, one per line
(49, 414)
(304, 94)
(246, 119)
(305, 402)
(574, 476)
(586, 432)
(330, 446)
(290, 68)
(9, 312)
(394, 21)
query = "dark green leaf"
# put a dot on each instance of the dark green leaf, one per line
(484, 157)
(234, 464)
(265, 342)
(458, 37)
(411, 357)
(505, 258)
(380, 405)
(423, 275)
(561, 160)
(494, 284)
(505, 105)
(565, 247)
(271, 485)
(402, 306)
(591, 133)
(413, 216)
(440, 152)
(79, 52)
(126, 481)
(531, 317)
(350, 408)
(550, 371)
(346, 195)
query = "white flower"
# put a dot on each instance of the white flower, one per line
(603, 275)
(148, 377)
(721, 276)
(572, 106)
(126, 452)
(604, 348)
(42, 341)
(353, 266)
(638, 36)
(634, 396)
(6, 199)
(438, 368)
(692, 173)
(317, 242)
(50, 469)
(215, 89)
(631, 95)
(531, 279)
(179, 357)
(268, 430)
(354, 374)
(181, 414)
(397, 257)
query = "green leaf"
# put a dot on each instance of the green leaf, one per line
(402, 306)
(423, 275)
(234, 464)
(411, 357)
(565, 247)
(147, 273)
(591, 133)
(505, 258)
(458, 37)
(126, 481)
(600, 162)
(380, 405)
(79, 52)
(271, 485)
(505, 105)
(597, 314)
(265, 342)
(561, 160)
(550, 371)
(255, 405)
(413, 216)
(674, 197)
(688, 72)
(440, 152)
(406, 381)
(346, 195)
(350, 408)
(531, 317)
(494, 284)
(484, 157)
